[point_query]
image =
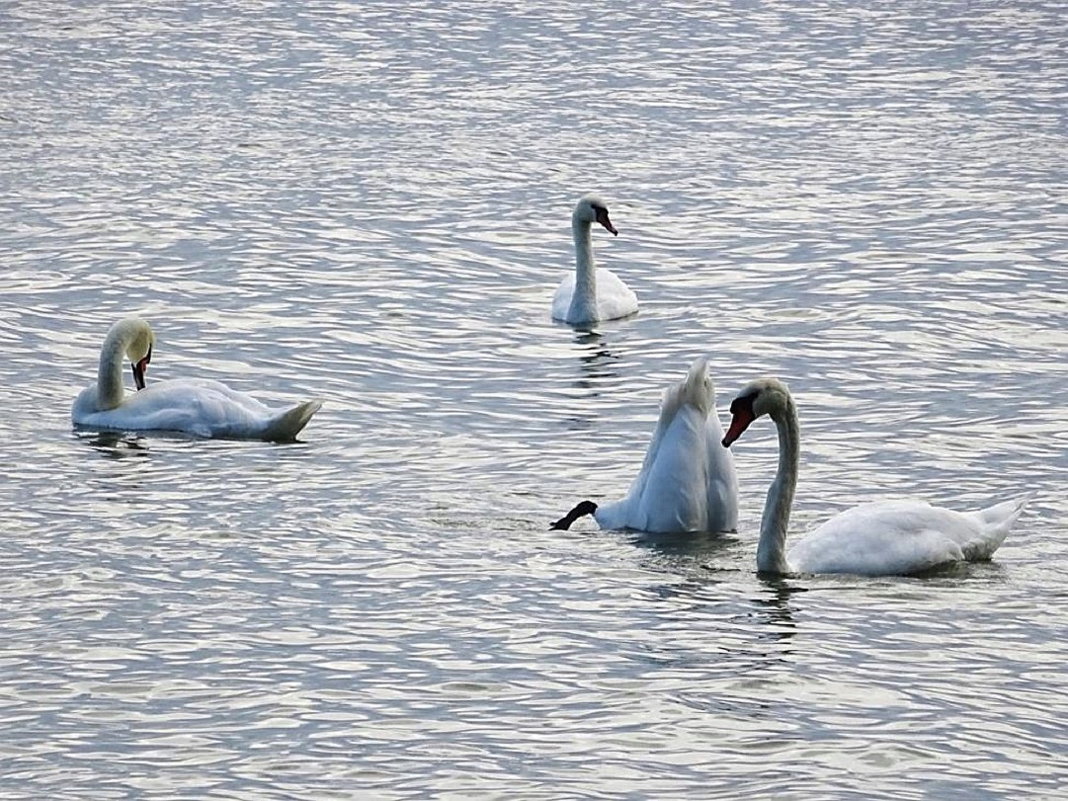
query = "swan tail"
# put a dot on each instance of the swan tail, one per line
(695, 390)
(994, 524)
(286, 426)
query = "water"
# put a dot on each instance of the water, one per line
(370, 204)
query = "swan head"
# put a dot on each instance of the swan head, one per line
(134, 336)
(768, 396)
(591, 209)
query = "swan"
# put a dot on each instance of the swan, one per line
(201, 407)
(687, 480)
(884, 538)
(591, 294)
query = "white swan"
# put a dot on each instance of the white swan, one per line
(591, 294)
(876, 539)
(687, 480)
(202, 407)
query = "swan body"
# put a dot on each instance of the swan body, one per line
(897, 537)
(591, 294)
(687, 480)
(201, 407)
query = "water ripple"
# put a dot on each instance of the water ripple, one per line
(369, 204)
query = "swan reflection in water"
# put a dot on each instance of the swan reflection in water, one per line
(773, 602)
(116, 444)
(596, 360)
(706, 560)
(728, 625)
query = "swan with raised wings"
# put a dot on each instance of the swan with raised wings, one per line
(687, 481)
(202, 407)
(591, 294)
(876, 539)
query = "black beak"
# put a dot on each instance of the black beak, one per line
(602, 217)
(140, 367)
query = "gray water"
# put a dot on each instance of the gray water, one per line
(370, 203)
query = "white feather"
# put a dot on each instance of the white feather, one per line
(591, 294)
(884, 538)
(201, 407)
(687, 480)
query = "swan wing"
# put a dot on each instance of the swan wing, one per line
(887, 538)
(667, 494)
(690, 484)
(562, 298)
(722, 480)
(614, 298)
(202, 407)
(673, 486)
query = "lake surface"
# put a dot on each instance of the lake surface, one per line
(370, 203)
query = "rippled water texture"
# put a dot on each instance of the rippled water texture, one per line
(370, 203)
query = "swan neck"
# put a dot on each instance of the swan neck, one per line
(109, 387)
(771, 551)
(580, 510)
(584, 299)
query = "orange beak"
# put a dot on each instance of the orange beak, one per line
(742, 416)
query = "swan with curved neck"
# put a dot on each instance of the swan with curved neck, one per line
(591, 294)
(881, 538)
(687, 481)
(202, 407)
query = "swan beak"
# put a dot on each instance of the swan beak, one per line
(602, 218)
(742, 417)
(140, 367)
